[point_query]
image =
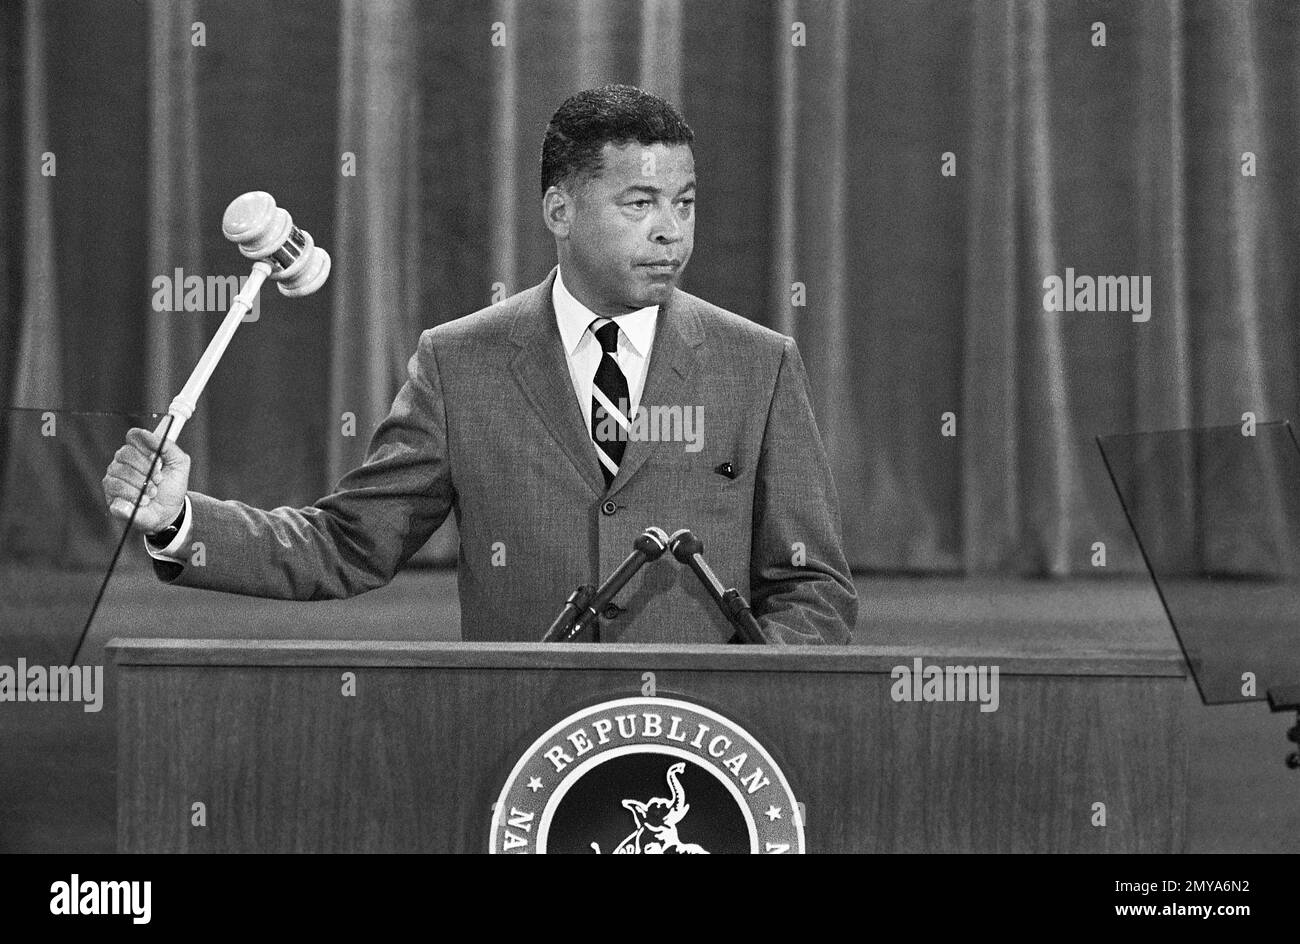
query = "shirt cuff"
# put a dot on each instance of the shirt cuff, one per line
(174, 550)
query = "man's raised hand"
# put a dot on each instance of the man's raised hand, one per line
(165, 496)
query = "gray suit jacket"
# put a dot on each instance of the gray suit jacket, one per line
(487, 427)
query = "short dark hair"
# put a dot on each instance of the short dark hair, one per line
(611, 114)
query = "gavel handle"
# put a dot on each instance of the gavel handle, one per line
(182, 407)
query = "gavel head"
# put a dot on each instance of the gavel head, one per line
(263, 230)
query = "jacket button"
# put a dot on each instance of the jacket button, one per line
(612, 611)
(609, 507)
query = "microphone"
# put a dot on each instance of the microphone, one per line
(648, 546)
(281, 252)
(689, 549)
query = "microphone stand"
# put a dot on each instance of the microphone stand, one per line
(579, 600)
(689, 549)
(648, 546)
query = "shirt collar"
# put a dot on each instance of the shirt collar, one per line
(573, 318)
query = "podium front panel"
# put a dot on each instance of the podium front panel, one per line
(239, 746)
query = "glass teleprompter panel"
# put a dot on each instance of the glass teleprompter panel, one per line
(1216, 512)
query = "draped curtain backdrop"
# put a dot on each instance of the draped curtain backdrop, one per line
(405, 136)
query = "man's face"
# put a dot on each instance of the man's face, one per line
(625, 237)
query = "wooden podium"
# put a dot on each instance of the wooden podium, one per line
(1083, 754)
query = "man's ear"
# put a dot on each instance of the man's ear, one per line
(557, 211)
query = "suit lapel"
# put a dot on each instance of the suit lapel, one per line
(542, 372)
(672, 365)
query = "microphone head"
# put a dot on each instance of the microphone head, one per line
(651, 542)
(685, 545)
(264, 231)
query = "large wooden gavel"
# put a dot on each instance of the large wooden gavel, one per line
(283, 253)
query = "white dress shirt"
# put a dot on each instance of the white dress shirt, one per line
(636, 334)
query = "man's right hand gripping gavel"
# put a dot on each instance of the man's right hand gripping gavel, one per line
(166, 494)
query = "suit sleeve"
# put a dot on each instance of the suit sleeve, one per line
(801, 588)
(350, 541)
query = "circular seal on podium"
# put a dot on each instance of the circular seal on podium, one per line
(648, 776)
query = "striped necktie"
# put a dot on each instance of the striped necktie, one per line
(609, 402)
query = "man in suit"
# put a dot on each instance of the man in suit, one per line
(557, 425)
